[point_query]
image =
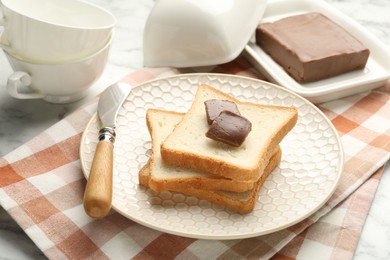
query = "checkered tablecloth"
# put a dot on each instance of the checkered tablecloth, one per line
(42, 187)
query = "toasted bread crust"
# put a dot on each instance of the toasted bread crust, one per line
(143, 175)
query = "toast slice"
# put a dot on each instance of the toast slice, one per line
(166, 177)
(242, 202)
(188, 147)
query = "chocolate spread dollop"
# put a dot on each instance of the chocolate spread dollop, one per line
(215, 106)
(228, 126)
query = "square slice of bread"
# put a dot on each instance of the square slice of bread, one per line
(188, 147)
(167, 177)
(242, 202)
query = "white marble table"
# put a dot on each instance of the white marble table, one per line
(22, 120)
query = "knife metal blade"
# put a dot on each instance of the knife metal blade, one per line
(98, 192)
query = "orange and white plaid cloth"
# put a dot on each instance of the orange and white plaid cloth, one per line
(42, 187)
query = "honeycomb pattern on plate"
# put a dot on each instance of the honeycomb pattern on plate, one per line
(306, 177)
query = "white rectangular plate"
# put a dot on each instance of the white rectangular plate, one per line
(375, 74)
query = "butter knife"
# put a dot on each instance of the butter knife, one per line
(98, 192)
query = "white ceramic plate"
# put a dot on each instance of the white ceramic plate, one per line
(376, 73)
(311, 165)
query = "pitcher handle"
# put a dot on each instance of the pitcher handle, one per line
(18, 81)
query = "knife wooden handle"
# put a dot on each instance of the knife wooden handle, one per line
(98, 193)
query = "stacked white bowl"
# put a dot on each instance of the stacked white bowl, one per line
(56, 48)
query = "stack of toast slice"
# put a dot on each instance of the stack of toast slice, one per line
(184, 160)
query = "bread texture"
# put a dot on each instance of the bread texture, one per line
(167, 177)
(241, 202)
(187, 146)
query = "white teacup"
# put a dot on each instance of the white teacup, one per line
(54, 31)
(55, 83)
